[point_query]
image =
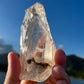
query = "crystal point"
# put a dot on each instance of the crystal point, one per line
(36, 45)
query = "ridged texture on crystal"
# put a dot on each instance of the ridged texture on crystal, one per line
(36, 45)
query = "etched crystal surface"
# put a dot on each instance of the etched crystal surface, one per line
(36, 45)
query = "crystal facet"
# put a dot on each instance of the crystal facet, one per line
(36, 45)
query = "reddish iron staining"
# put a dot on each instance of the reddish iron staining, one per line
(41, 41)
(39, 54)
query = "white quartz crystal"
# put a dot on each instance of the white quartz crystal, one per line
(36, 45)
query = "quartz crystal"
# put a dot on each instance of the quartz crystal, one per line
(37, 47)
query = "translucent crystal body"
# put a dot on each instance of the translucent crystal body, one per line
(36, 45)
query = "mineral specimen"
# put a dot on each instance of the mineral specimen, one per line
(36, 45)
